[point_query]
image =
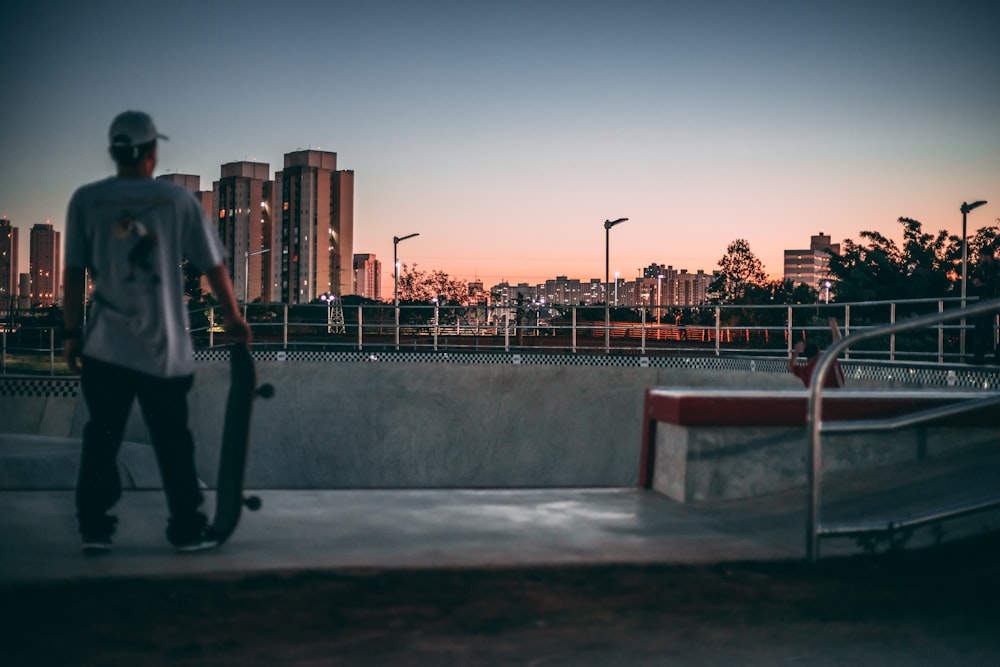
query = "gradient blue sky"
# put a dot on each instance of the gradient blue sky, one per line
(505, 133)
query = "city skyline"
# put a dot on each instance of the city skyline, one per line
(505, 135)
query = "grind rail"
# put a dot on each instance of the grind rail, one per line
(815, 528)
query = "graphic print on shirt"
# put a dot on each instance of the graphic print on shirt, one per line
(140, 257)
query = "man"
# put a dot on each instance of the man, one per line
(834, 377)
(986, 281)
(131, 233)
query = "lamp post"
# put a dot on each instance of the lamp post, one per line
(395, 278)
(659, 298)
(966, 207)
(328, 299)
(608, 224)
(246, 275)
(826, 286)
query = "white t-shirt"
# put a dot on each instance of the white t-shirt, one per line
(131, 234)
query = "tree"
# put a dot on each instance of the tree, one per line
(925, 266)
(422, 286)
(739, 269)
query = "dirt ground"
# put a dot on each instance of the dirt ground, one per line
(933, 607)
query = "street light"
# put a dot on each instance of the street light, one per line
(246, 276)
(659, 298)
(329, 299)
(395, 278)
(608, 224)
(965, 254)
(966, 207)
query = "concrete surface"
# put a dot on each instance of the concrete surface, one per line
(320, 530)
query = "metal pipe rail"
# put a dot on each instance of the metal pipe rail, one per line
(816, 427)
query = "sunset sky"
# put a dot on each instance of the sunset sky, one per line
(506, 132)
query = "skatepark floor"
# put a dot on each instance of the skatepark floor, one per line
(510, 577)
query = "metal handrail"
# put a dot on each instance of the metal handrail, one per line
(816, 427)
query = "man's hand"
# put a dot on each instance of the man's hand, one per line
(72, 349)
(238, 329)
(799, 348)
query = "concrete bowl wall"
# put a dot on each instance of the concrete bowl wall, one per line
(394, 425)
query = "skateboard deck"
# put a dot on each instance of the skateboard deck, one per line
(229, 499)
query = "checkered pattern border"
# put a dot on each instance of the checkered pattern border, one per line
(60, 388)
(900, 373)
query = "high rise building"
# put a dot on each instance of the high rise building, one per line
(43, 264)
(563, 291)
(8, 265)
(190, 182)
(368, 276)
(24, 291)
(193, 183)
(242, 200)
(812, 266)
(312, 239)
(687, 289)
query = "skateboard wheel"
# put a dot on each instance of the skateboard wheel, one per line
(265, 390)
(252, 503)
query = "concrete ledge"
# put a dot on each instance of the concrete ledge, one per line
(725, 444)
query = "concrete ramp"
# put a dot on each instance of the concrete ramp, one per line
(51, 462)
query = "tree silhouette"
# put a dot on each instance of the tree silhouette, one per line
(925, 266)
(739, 269)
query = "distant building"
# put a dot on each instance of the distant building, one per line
(563, 291)
(686, 289)
(44, 264)
(242, 204)
(8, 265)
(23, 291)
(368, 276)
(312, 237)
(187, 181)
(811, 266)
(192, 183)
(477, 294)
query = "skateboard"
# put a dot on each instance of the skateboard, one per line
(229, 498)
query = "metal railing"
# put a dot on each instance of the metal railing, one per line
(763, 330)
(755, 330)
(815, 528)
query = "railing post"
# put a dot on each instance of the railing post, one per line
(892, 336)
(718, 319)
(284, 327)
(607, 325)
(788, 330)
(940, 329)
(573, 328)
(506, 329)
(847, 328)
(437, 322)
(361, 338)
(3, 352)
(643, 329)
(52, 351)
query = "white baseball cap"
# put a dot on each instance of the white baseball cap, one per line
(133, 128)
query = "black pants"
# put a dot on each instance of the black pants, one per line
(109, 391)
